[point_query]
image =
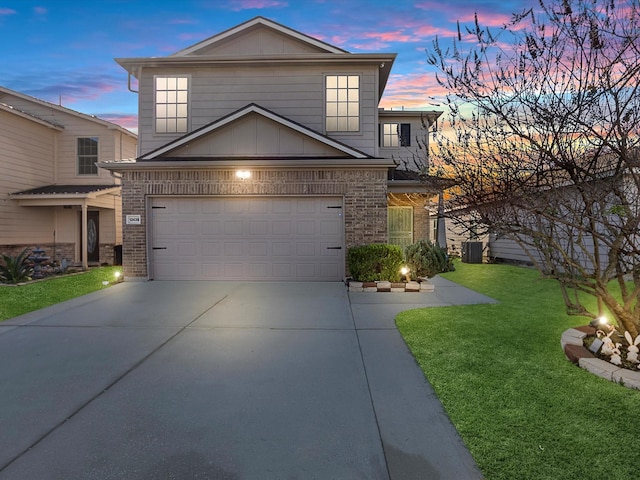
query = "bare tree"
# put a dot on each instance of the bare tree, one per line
(544, 143)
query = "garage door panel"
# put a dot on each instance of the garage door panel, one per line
(186, 207)
(247, 238)
(258, 227)
(281, 249)
(210, 249)
(211, 270)
(233, 249)
(281, 271)
(282, 227)
(233, 227)
(211, 227)
(258, 271)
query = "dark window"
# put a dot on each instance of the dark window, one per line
(87, 156)
(405, 134)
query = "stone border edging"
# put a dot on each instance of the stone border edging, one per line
(423, 286)
(575, 351)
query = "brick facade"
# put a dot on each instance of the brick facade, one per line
(364, 192)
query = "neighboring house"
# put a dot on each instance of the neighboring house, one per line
(263, 155)
(52, 194)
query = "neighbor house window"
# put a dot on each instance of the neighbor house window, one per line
(343, 103)
(172, 94)
(396, 135)
(87, 156)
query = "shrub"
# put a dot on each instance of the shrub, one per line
(375, 261)
(426, 259)
(16, 268)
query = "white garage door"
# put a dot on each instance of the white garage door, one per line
(247, 238)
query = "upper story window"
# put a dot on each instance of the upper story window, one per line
(343, 103)
(171, 97)
(87, 156)
(396, 135)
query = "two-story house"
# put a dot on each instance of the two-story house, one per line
(263, 155)
(52, 193)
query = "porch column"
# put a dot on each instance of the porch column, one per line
(83, 248)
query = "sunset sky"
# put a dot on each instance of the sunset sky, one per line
(63, 50)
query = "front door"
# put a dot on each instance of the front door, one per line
(93, 237)
(400, 226)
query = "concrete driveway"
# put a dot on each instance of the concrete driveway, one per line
(216, 380)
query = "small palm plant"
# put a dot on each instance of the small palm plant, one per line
(16, 268)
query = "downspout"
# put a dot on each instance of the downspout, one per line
(129, 84)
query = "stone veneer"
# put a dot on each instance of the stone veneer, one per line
(61, 251)
(364, 192)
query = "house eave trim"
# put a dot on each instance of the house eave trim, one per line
(133, 65)
(247, 163)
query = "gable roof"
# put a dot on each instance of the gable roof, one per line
(207, 54)
(11, 109)
(60, 108)
(238, 30)
(252, 108)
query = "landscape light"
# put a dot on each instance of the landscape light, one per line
(597, 322)
(405, 272)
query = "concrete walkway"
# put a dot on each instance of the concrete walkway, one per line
(216, 380)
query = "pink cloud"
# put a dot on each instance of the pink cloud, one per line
(40, 10)
(420, 90)
(128, 121)
(465, 14)
(7, 11)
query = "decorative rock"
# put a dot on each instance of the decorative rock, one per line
(384, 286)
(397, 289)
(598, 367)
(369, 289)
(427, 287)
(628, 378)
(412, 287)
(579, 353)
(572, 337)
(575, 352)
(587, 329)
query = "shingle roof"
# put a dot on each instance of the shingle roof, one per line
(65, 189)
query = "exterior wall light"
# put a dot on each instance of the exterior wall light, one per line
(243, 174)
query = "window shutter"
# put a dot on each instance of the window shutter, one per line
(379, 135)
(405, 134)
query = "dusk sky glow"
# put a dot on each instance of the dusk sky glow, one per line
(64, 50)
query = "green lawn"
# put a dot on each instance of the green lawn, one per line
(16, 300)
(523, 410)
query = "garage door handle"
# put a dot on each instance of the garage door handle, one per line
(334, 248)
(159, 248)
